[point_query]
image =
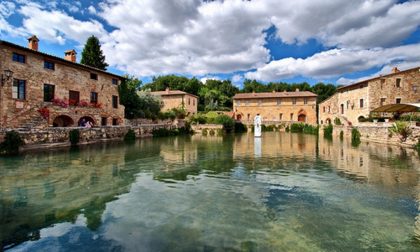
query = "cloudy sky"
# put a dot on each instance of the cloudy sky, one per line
(337, 41)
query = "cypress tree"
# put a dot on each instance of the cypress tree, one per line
(92, 54)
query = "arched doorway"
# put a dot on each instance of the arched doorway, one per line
(328, 121)
(361, 119)
(238, 117)
(63, 121)
(84, 119)
(302, 118)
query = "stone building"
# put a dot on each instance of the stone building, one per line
(178, 99)
(298, 106)
(354, 102)
(41, 90)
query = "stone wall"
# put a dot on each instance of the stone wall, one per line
(379, 133)
(18, 113)
(206, 128)
(53, 137)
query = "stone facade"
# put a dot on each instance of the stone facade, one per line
(178, 99)
(357, 100)
(26, 103)
(276, 107)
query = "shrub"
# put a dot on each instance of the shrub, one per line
(402, 129)
(287, 128)
(341, 135)
(130, 136)
(296, 127)
(355, 137)
(163, 132)
(74, 136)
(304, 128)
(198, 119)
(227, 122)
(337, 121)
(240, 127)
(413, 118)
(328, 130)
(417, 146)
(11, 143)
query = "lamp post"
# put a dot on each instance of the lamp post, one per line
(6, 76)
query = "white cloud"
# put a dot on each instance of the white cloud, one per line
(336, 62)
(203, 38)
(57, 26)
(92, 10)
(206, 78)
(237, 79)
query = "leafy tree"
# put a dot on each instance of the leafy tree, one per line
(138, 104)
(92, 54)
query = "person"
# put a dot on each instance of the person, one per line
(82, 122)
(88, 124)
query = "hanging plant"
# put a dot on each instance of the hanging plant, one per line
(45, 112)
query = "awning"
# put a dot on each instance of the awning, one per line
(398, 108)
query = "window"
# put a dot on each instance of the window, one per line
(93, 97)
(114, 121)
(398, 100)
(329, 109)
(115, 81)
(49, 92)
(323, 109)
(383, 101)
(19, 89)
(115, 101)
(74, 98)
(398, 82)
(193, 102)
(93, 76)
(342, 108)
(104, 121)
(281, 116)
(382, 83)
(278, 101)
(49, 65)
(294, 101)
(361, 103)
(291, 116)
(415, 89)
(305, 100)
(19, 57)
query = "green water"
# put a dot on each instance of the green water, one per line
(288, 192)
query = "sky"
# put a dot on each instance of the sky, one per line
(333, 41)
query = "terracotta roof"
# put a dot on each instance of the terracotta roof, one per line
(377, 77)
(274, 95)
(171, 92)
(62, 60)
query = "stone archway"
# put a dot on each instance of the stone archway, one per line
(302, 116)
(63, 121)
(85, 119)
(328, 121)
(238, 117)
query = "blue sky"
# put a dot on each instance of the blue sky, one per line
(336, 41)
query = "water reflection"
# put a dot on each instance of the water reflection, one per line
(287, 192)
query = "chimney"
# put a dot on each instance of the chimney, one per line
(395, 70)
(297, 90)
(33, 43)
(167, 90)
(70, 55)
(274, 91)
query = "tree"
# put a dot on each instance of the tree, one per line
(92, 54)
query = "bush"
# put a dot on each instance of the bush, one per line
(304, 128)
(130, 136)
(341, 135)
(296, 127)
(198, 119)
(402, 129)
(11, 143)
(337, 121)
(417, 146)
(355, 137)
(227, 122)
(413, 118)
(74, 136)
(240, 127)
(163, 132)
(328, 130)
(287, 128)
